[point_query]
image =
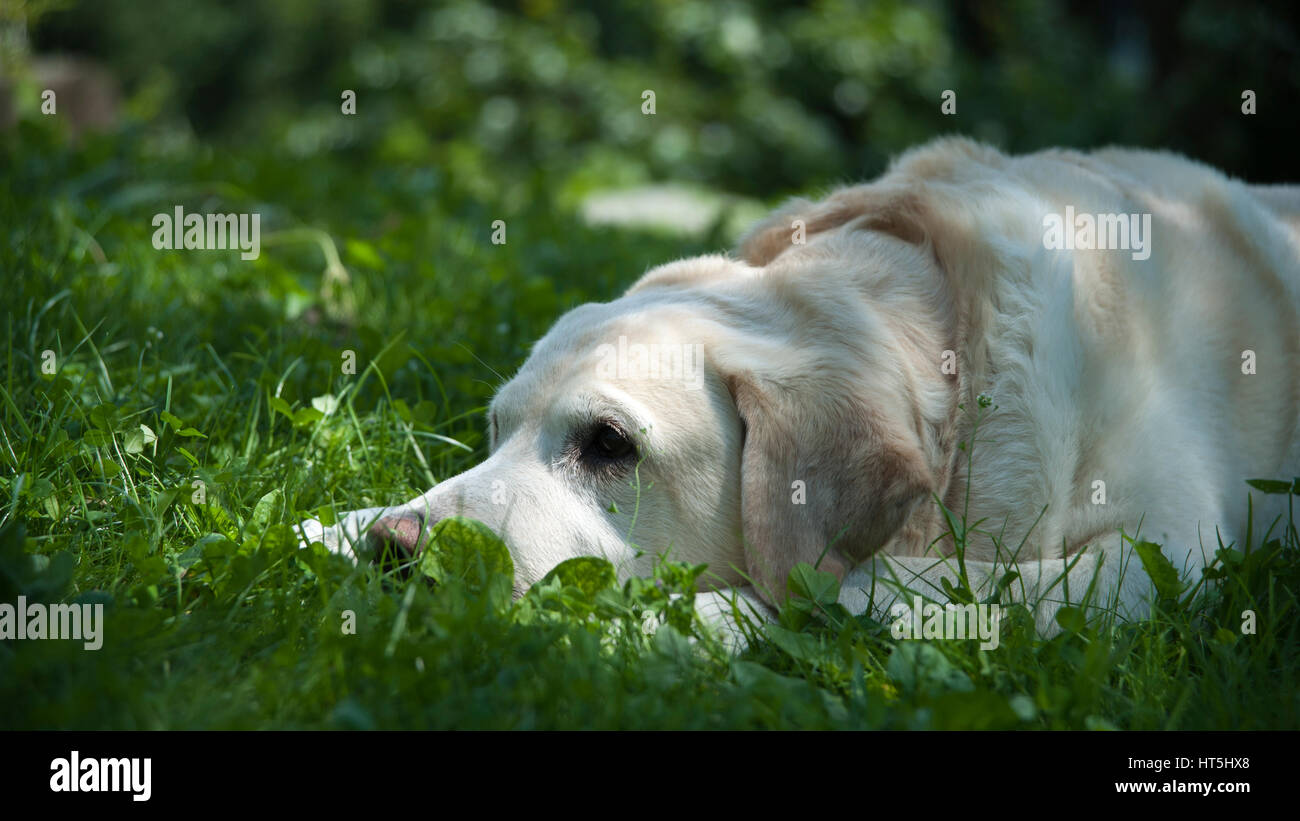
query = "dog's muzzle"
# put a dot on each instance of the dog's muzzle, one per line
(398, 538)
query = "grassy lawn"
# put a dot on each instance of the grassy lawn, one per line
(200, 407)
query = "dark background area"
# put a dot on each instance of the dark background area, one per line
(755, 98)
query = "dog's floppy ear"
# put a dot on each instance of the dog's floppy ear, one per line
(891, 209)
(825, 479)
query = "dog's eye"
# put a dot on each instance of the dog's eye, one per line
(608, 442)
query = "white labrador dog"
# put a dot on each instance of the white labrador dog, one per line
(1134, 317)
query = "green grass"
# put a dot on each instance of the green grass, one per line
(175, 367)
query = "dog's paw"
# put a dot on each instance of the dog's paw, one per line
(333, 538)
(349, 537)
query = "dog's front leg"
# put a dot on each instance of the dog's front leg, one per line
(726, 612)
(876, 585)
(1045, 585)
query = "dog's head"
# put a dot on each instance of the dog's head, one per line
(747, 413)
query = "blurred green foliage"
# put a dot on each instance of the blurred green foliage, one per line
(518, 100)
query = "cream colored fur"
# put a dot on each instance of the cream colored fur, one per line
(823, 365)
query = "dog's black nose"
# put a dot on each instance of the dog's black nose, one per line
(397, 538)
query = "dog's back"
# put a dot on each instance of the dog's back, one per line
(1229, 311)
(1162, 373)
